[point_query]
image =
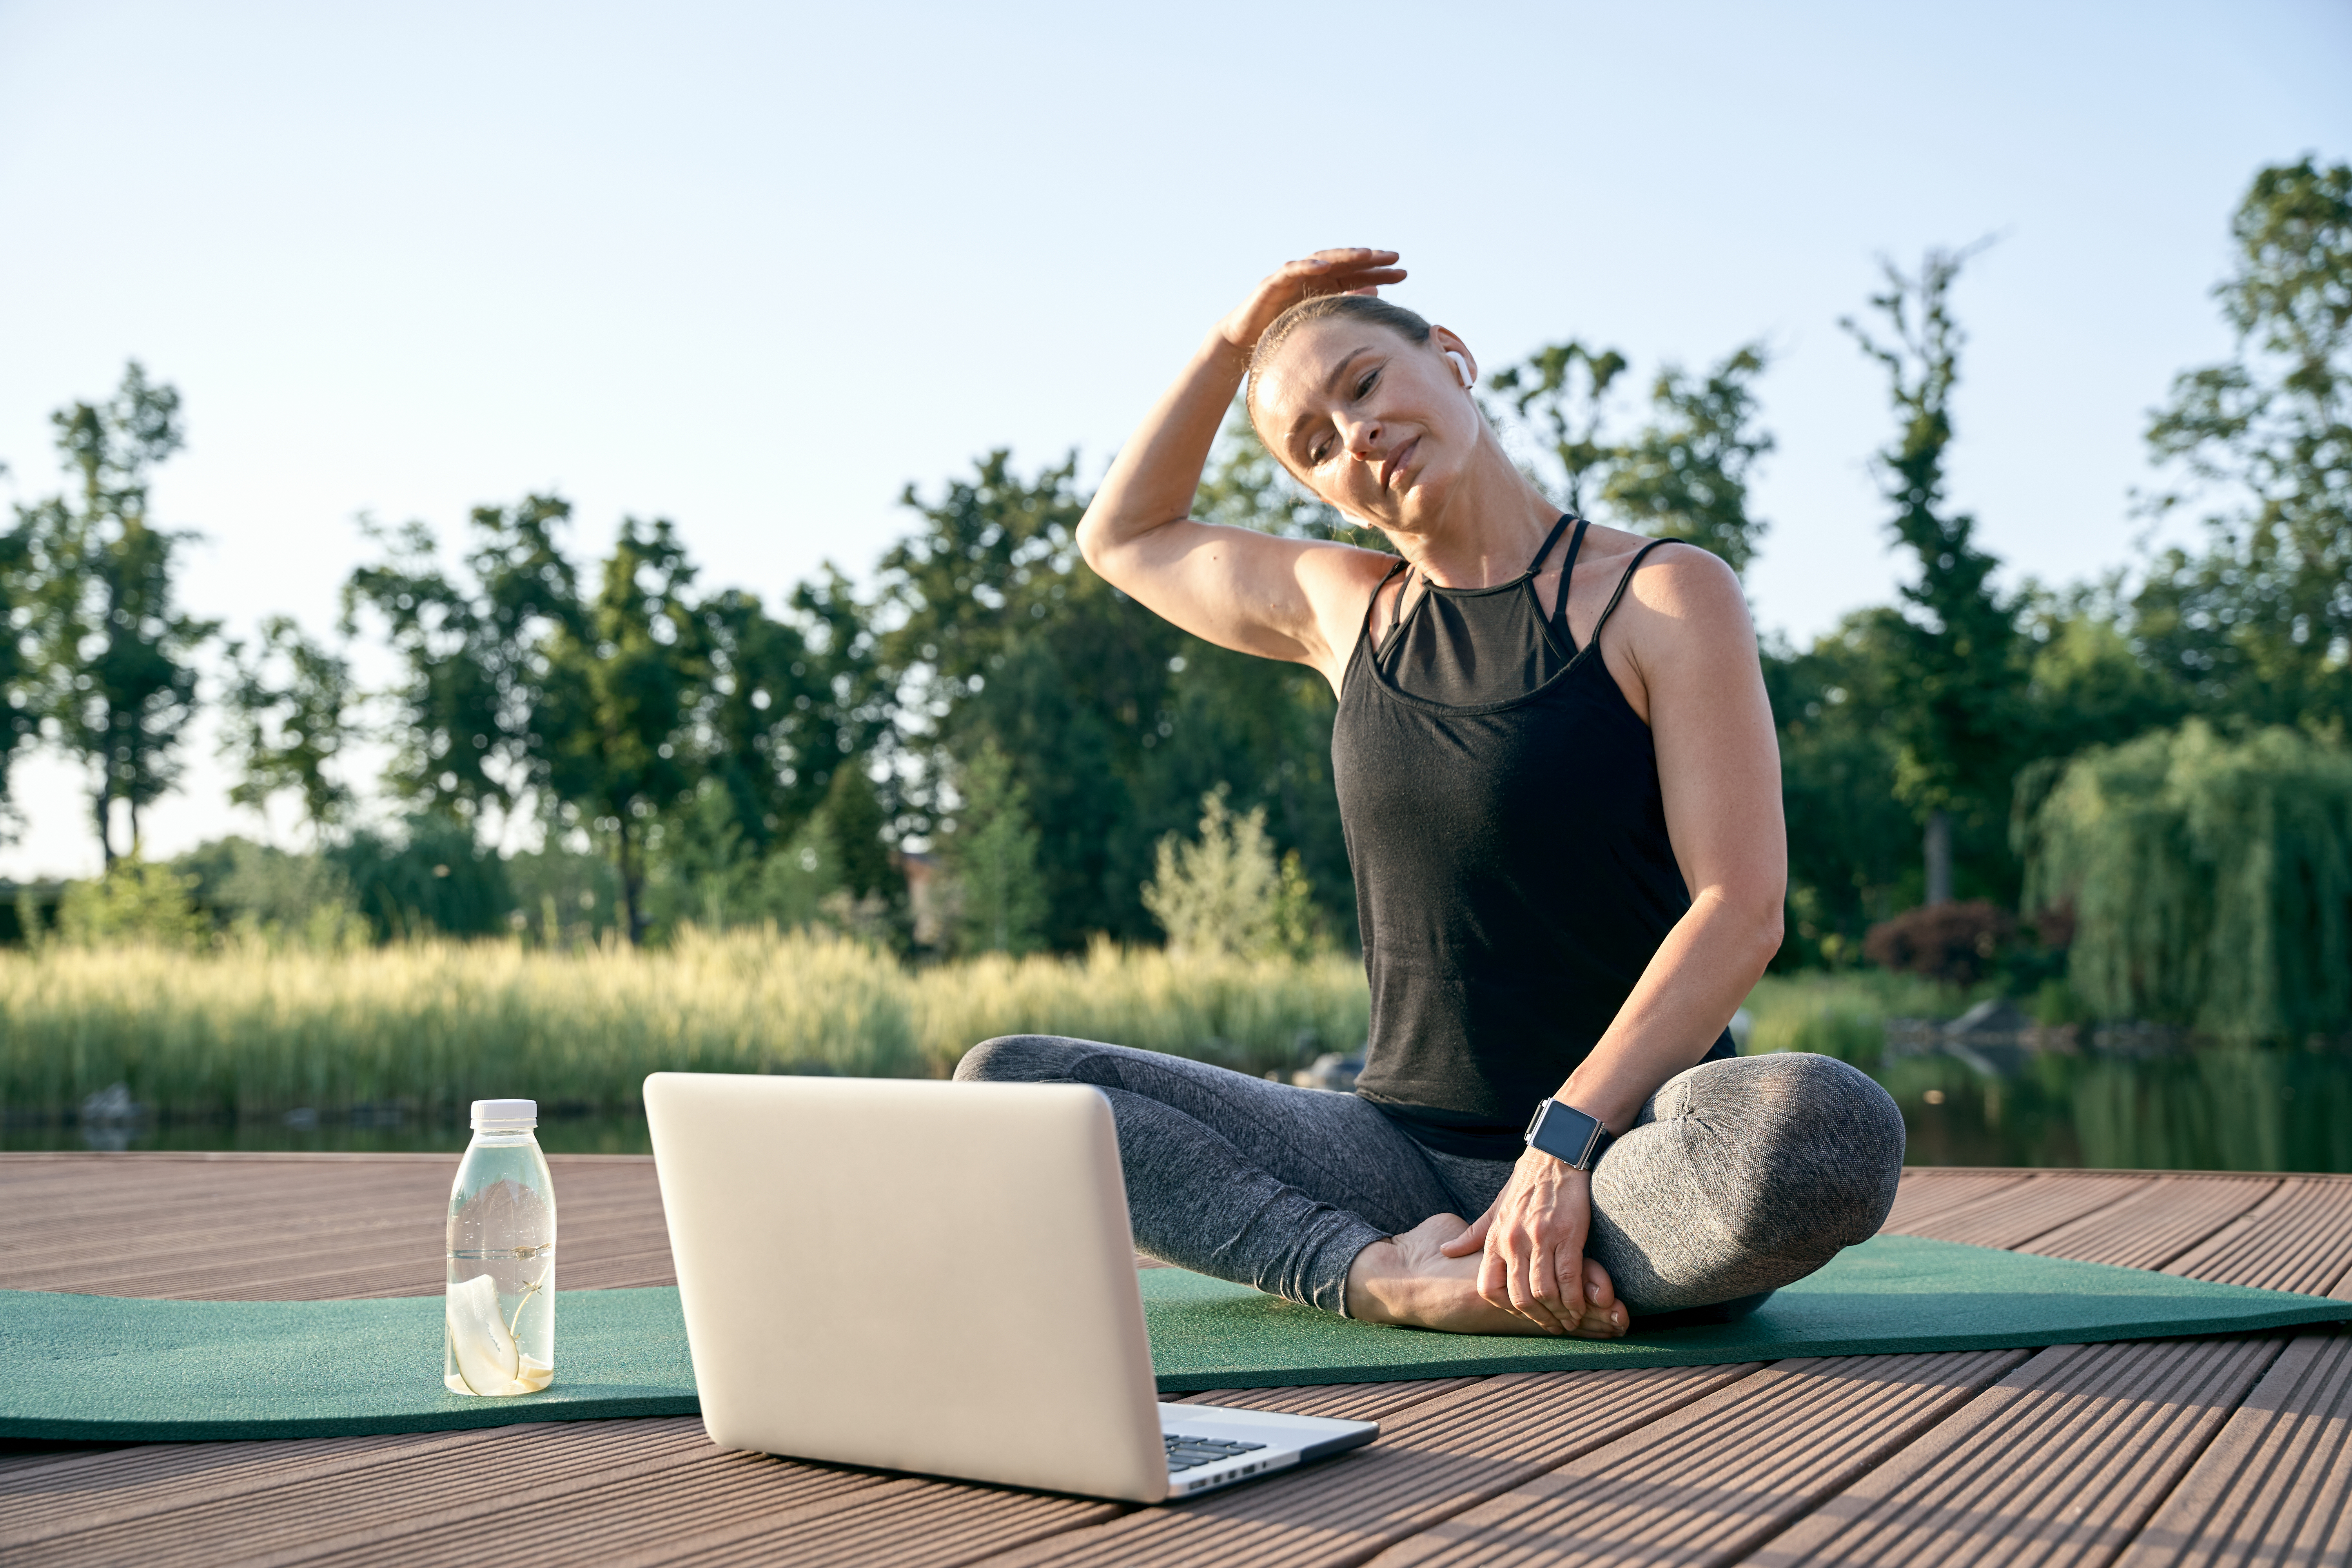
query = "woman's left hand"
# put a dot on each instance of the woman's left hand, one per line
(1534, 1239)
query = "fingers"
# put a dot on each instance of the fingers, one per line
(1347, 271)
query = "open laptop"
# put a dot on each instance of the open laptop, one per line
(934, 1277)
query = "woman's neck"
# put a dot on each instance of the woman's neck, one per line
(1493, 521)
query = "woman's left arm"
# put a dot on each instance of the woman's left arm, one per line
(1686, 656)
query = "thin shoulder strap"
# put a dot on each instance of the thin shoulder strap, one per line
(1567, 573)
(1549, 540)
(1632, 567)
(1372, 609)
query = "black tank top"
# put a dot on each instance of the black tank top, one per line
(1513, 873)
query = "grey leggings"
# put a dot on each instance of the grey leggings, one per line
(1739, 1178)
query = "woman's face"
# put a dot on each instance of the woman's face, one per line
(1375, 424)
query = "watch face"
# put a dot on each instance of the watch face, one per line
(1566, 1133)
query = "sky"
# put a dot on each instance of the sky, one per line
(757, 269)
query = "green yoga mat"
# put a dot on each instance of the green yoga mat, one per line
(97, 1368)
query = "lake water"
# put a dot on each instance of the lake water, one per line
(2203, 1110)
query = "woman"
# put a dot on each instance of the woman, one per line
(1560, 788)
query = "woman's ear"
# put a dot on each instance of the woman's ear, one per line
(1457, 354)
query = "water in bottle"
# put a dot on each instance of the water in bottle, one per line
(501, 1337)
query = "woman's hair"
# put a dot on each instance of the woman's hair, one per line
(1368, 308)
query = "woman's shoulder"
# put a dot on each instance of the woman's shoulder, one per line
(1667, 576)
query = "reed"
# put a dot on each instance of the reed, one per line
(251, 1029)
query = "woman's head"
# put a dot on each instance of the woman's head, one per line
(1367, 404)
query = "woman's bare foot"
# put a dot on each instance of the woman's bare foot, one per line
(1405, 1279)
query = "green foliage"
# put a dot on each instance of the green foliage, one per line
(112, 656)
(1957, 655)
(292, 708)
(993, 855)
(136, 901)
(254, 891)
(2211, 880)
(615, 682)
(1113, 722)
(1684, 474)
(608, 714)
(1853, 846)
(20, 714)
(2258, 626)
(1842, 1015)
(432, 879)
(1562, 390)
(1224, 891)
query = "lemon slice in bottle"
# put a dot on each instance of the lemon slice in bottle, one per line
(478, 1341)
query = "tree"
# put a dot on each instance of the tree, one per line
(1852, 846)
(461, 715)
(993, 855)
(1682, 475)
(786, 704)
(521, 692)
(292, 709)
(1957, 649)
(1685, 474)
(20, 716)
(2258, 626)
(1113, 720)
(2211, 880)
(617, 681)
(115, 677)
(1563, 389)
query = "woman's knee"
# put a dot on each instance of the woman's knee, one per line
(1819, 1146)
(1021, 1059)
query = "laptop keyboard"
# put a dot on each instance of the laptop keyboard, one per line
(1190, 1453)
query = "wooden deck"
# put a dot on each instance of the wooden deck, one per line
(2207, 1452)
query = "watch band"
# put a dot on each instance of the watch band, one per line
(1569, 1135)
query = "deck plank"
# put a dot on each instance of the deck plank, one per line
(2275, 1488)
(1709, 1482)
(2011, 1215)
(2060, 1463)
(2198, 1452)
(2158, 1221)
(1429, 1463)
(2299, 1239)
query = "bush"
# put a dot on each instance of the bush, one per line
(1225, 893)
(135, 903)
(1956, 943)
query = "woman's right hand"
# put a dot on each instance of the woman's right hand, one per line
(1350, 269)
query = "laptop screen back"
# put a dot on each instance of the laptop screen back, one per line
(912, 1275)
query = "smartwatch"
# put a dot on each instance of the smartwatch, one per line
(1568, 1135)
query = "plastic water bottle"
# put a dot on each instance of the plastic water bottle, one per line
(500, 1336)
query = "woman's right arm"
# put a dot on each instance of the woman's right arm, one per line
(1280, 598)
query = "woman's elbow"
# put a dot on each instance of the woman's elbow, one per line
(1094, 538)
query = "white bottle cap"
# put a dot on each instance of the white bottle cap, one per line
(507, 1113)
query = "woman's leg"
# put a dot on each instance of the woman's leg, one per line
(1742, 1176)
(1229, 1175)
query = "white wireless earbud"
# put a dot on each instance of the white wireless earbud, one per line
(1462, 368)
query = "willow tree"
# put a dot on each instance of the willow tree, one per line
(2211, 880)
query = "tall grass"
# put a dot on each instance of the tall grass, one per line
(1842, 1016)
(252, 1030)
